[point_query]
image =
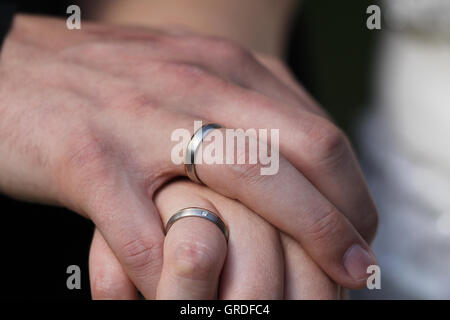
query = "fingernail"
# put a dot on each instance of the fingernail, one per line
(356, 261)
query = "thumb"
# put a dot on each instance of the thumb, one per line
(127, 219)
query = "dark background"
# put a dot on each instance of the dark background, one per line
(330, 52)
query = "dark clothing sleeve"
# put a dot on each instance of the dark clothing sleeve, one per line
(7, 11)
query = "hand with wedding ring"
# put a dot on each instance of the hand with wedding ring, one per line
(86, 122)
(260, 262)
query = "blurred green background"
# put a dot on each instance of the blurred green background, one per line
(331, 53)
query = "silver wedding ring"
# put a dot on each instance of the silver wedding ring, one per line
(201, 213)
(194, 143)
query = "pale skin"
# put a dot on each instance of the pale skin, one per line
(101, 147)
(260, 263)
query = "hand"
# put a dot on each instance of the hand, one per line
(261, 262)
(86, 120)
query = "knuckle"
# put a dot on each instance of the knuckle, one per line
(326, 227)
(195, 260)
(140, 254)
(228, 50)
(189, 77)
(186, 71)
(327, 143)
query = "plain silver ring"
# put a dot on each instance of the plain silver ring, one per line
(201, 213)
(194, 143)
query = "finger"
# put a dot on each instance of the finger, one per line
(107, 277)
(254, 269)
(304, 280)
(194, 251)
(314, 146)
(126, 218)
(254, 266)
(295, 206)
